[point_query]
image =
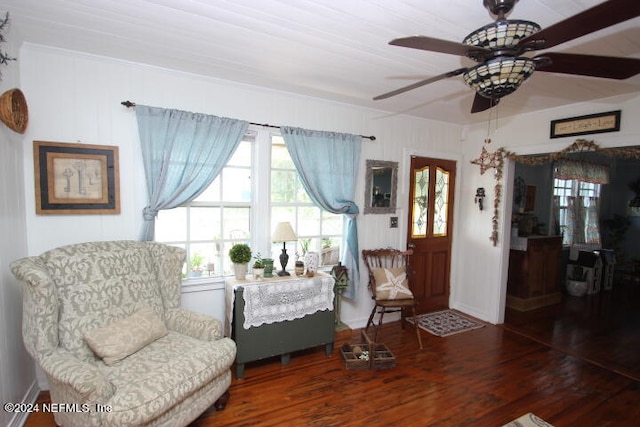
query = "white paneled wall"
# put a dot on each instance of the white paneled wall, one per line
(17, 373)
(76, 98)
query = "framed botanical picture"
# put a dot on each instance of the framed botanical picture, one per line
(76, 178)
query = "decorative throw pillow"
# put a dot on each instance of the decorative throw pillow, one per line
(391, 283)
(125, 336)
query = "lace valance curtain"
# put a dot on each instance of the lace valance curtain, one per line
(582, 171)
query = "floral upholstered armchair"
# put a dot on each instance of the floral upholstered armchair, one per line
(104, 322)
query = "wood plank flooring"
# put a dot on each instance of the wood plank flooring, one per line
(484, 377)
(603, 328)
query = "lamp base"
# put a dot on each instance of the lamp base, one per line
(284, 259)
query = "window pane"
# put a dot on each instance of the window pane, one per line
(420, 203)
(204, 223)
(282, 214)
(441, 204)
(284, 186)
(236, 224)
(202, 256)
(330, 254)
(331, 224)
(236, 185)
(212, 193)
(242, 156)
(303, 197)
(308, 221)
(171, 225)
(280, 158)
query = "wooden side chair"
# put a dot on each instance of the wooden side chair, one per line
(389, 282)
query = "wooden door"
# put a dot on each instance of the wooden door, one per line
(431, 191)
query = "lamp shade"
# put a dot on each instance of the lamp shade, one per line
(284, 233)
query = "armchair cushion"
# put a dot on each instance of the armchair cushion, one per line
(124, 337)
(391, 284)
(151, 380)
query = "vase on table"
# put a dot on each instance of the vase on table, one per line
(311, 260)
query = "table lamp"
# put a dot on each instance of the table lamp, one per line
(284, 233)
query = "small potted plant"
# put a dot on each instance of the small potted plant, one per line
(258, 266)
(240, 255)
(195, 264)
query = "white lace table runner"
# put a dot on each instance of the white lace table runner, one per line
(275, 301)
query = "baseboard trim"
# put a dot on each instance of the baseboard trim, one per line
(30, 397)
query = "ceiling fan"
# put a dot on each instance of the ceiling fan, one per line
(498, 49)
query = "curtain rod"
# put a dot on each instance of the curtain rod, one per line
(130, 104)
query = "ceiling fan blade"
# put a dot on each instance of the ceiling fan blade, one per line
(420, 83)
(608, 67)
(442, 46)
(480, 103)
(598, 17)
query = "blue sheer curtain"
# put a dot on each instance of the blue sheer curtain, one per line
(183, 153)
(327, 163)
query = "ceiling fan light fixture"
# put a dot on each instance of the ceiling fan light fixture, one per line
(501, 34)
(500, 76)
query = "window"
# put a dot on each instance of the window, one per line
(576, 210)
(317, 230)
(239, 209)
(218, 218)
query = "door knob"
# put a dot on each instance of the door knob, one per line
(411, 245)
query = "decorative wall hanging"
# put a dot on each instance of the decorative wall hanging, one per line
(4, 57)
(488, 160)
(76, 178)
(496, 159)
(13, 110)
(584, 125)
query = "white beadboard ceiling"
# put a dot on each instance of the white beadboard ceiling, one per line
(332, 49)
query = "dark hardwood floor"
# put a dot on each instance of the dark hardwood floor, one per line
(485, 377)
(603, 328)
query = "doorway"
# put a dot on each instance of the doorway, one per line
(429, 234)
(601, 327)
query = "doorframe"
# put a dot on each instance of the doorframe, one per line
(403, 207)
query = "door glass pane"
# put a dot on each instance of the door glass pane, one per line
(441, 203)
(420, 202)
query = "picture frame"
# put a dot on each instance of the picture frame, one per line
(585, 125)
(76, 179)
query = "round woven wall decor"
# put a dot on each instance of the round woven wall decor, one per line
(13, 110)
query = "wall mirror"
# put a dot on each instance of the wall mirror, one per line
(381, 187)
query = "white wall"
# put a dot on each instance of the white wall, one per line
(76, 98)
(482, 283)
(17, 374)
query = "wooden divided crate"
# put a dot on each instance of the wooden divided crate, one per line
(367, 355)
